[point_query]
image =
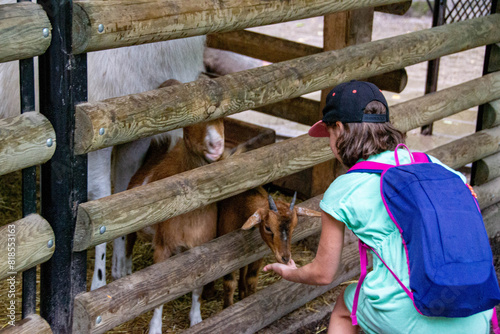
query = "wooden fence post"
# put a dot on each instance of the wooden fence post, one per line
(64, 178)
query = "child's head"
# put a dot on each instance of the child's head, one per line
(357, 116)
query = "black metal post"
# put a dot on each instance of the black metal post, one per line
(29, 188)
(486, 70)
(63, 83)
(438, 13)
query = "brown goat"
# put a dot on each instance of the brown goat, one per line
(201, 144)
(276, 220)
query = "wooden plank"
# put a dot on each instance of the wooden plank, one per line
(140, 115)
(487, 169)
(25, 140)
(25, 31)
(29, 239)
(432, 107)
(249, 44)
(31, 324)
(126, 23)
(137, 208)
(135, 294)
(396, 9)
(468, 149)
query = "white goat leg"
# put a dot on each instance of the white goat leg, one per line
(129, 158)
(195, 313)
(99, 186)
(156, 322)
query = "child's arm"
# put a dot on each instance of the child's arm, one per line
(323, 268)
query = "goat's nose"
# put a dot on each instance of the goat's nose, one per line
(285, 259)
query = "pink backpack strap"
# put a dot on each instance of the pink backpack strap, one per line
(363, 261)
(494, 322)
(370, 166)
(421, 157)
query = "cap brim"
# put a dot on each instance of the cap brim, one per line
(319, 130)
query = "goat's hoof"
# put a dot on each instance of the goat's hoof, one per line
(195, 320)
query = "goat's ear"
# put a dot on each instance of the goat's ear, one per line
(254, 219)
(301, 211)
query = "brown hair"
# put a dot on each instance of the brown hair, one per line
(361, 140)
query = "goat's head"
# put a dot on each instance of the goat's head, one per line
(206, 139)
(276, 225)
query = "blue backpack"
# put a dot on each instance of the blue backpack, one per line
(449, 258)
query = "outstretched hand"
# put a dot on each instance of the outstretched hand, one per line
(280, 268)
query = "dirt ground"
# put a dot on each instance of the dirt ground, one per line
(454, 69)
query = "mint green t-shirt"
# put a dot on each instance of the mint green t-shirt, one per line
(383, 306)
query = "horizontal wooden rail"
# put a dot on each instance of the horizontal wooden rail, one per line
(25, 31)
(99, 25)
(29, 325)
(131, 117)
(30, 239)
(250, 43)
(137, 208)
(468, 149)
(26, 140)
(135, 294)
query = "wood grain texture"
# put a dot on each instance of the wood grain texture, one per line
(129, 23)
(21, 31)
(23, 141)
(135, 294)
(29, 325)
(467, 149)
(140, 115)
(432, 107)
(250, 43)
(29, 236)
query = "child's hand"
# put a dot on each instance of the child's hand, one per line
(280, 268)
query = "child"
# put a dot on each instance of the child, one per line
(356, 120)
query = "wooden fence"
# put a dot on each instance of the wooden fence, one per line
(62, 32)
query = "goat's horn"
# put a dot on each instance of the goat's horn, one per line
(272, 205)
(293, 201)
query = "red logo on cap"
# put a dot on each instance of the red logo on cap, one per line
(333, 94)
(354, 91)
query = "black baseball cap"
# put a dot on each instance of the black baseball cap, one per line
(346, 103)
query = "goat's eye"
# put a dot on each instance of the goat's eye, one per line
(268, 229)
